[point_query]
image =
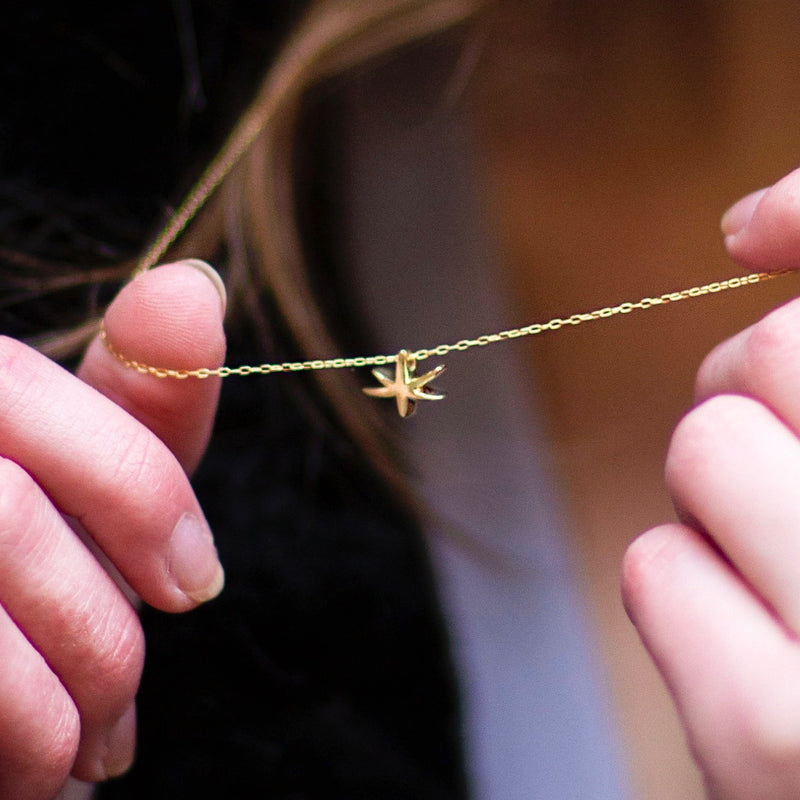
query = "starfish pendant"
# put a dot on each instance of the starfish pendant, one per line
(405, 387)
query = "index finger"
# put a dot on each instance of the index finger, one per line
(104, 468)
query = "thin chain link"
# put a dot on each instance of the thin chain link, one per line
(601, 313)
(243, 135)
(461, 345)
(254, 369)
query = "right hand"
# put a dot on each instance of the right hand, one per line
(106, 453)
(716, 595)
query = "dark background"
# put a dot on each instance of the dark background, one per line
(322, 670)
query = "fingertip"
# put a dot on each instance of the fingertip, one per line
(736, 218)
(120, 744)
(216, 279)
(192, 560)
(735, 227)
(762, 230)
(171, 316)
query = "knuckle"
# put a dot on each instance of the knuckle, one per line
(769, 728)
(45, 753)
(757, 361)
(647, 574)
(634, 569)
(19, 497)
(112, 656)
(688, 443)
(60, 740)
(715, 369)
(748, 731)
(640, 559)
(119, 663)
(771, 345)
(704, 436)
(140, 465)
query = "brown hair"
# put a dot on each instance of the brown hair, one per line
(251, 210)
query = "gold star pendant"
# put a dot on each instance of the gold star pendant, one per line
(405, 387)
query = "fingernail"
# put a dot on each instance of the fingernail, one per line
(121, 744)
(213, 276)
(192, 560)
(735, 219)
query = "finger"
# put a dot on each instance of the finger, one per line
(104, 468)
(762, 231)
(170, 316)
(39, 724)
(74, 615)
(734, 468)
(762, 362)
(731, 668)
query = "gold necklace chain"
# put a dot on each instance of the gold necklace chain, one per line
(405, 387)
(534, 329)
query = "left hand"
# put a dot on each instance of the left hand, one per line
(110, 448)
(716, 597)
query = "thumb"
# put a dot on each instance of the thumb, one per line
(762, 230)
(169, 317)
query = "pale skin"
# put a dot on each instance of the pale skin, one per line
(113, 451)
(713, 596)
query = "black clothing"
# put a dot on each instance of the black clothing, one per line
(322, 670)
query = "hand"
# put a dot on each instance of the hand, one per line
(106, 452)
(716, 597)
